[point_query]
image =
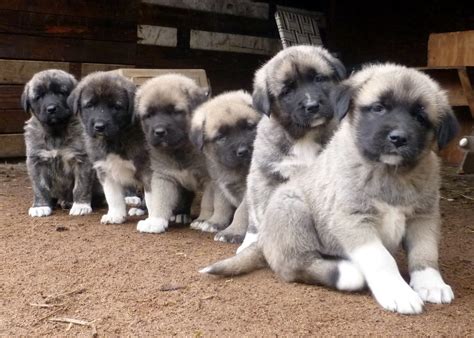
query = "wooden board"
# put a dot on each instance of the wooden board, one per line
(10, 96)
(13, 145)
(12, 120)
(451, 49)
(21, 71)
(139, 76)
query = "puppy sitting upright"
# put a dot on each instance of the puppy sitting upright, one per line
(57, 161)
(114, 139)
(165, 105)
(224, 128)
(292, 89)
(374, 187)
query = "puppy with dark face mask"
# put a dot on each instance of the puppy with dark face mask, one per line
(104, 101)
(292, 90)
(165, 105)
(224, 128)
(57, 162)
(375, 187)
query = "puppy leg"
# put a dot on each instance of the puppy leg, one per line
(207, 206)
(160, 201)
(421, 243)
(41, 184)
(222, 215)
(114, 194)
(235, 232)
(82, 191)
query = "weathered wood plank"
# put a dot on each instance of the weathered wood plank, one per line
(49, 25)
(20, 71)
(58, 49)
(467, 88)
(207, 21)
(451, 49)
(157, 35)
(87, 68)
(13, 145)
(12, 121)
(10, 96)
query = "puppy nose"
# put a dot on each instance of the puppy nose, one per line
(398, 138)
(160, 132)
(243, 151)
(312, 107)
(51, 108)
(99, 126)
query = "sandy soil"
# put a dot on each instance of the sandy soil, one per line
(126, 283)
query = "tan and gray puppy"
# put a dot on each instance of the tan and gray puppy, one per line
(224, 128)
(57, 162)
(293, 90)
(374, 187)
(115, 142)
(165, 105)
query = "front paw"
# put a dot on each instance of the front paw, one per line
(79, 209)
(39, 211)
(154, 225)
(136, 212)
(228, 237)
(113, 218)
(133, 201)
(205, 226)
(181, 218)
(430, 286)
(397, 296)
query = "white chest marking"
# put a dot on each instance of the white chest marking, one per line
(117, 169)
(392, 224)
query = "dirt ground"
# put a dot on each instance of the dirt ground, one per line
(126, 283)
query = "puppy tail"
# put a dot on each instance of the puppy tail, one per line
(248, 260)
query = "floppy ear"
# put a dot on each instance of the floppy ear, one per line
(447, 129)
(341, 99)
(25, 101)
(131, 99)
(198, 96)
(339, 69)
(197, 137)
(73, 100)
(261, 99)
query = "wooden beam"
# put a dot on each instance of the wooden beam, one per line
(12, 120)
(21, 71)
(13, 145)
(467, 88)
(10, 96)
(451, 49)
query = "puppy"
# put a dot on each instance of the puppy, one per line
(292, 90)
(374, 187)
(224, 128)
(56, 159)
(165, 105)
(104, 101)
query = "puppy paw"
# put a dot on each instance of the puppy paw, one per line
(397, 296)
(79, 209)
(430, 286)
(113, 218)
(133, 201)
(181, 218)
(228, 237)
(39, 211)
(136, 212)
(153, 225)
(205, 226)
(350, 278)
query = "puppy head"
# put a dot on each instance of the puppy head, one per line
(225, 128)
(105, 103)
(45, 96)
(165, 105)
(295, 86)
(397, 113)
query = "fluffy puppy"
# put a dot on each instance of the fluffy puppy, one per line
(104, 101)
(292, 90)
(56, 159)
(165, 105)
(224, 128)
(374, 187)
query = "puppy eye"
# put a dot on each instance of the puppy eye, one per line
(320, 78)
(37, 97)
(287, 88)
(220, 137)
(377, 108)
(250, 126)
(89, 105)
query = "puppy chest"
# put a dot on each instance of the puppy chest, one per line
(117, 169)
(305, 150)
(392, 224)
(62, 159)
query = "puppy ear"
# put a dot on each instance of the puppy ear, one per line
(73, 100)
(131, 90)
(198, 96)
(341, 97)
(25, 101)
(339, 69)
(261, 100)
(197, 137)
(447, 129)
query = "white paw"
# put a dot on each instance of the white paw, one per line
(113, 218)
(154, 225)
(204, 226)
(429, 284)
(39, 211)
(133, 201)
(136, 212)
(181, 219)
(79, 209)
(350, 277)
(248, 240)
(397, 296)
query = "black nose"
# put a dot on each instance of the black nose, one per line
(51, 108)
(311, 107)
(398, 138)
(243, 151)
(99, 126)
(160, 132)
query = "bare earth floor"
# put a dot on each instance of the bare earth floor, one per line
(126, 283)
